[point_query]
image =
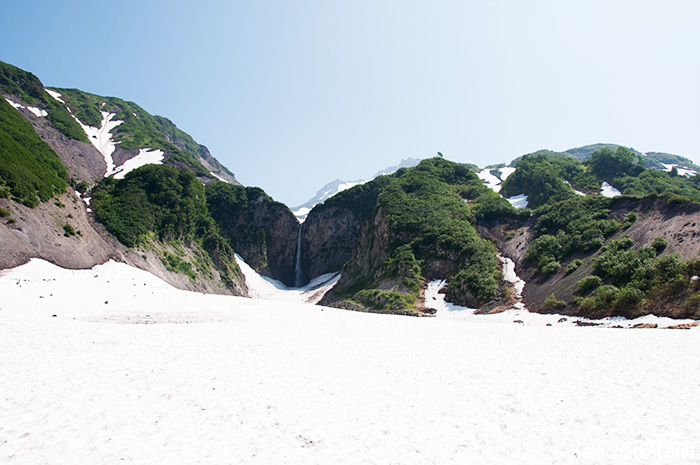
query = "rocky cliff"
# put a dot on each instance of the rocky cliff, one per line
(263, 232)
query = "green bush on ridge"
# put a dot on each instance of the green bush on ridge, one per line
(166, 202)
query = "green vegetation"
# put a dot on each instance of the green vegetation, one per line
(430, 211)
(607, 164)
(552, 304)
(384, 300)
(175, 263)
(653, 182)
(543, 178)
(568, 223)
(68, 230)
(588, 284)
(4, 213)
(14, 81)
(637, 278)
(247, 216)
(29, 170)
(579, 224)
(573, 266)
(138, 129)
(548, 177)
(169, 204)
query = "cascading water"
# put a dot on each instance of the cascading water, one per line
(297, 266)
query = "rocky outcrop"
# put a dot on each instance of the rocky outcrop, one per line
(81, 159)
(328, 237)
(39, 233)
(263, 232)
(679, 224)
(214, 167)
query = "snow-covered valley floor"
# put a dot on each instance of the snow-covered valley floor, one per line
(131, 370)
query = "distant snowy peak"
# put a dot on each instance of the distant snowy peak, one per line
(333, 187)
(323, 194)
(405, 163)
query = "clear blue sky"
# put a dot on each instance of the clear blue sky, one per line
(292, 94)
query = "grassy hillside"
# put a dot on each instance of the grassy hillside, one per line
(548, 178)
(579, 232)
(162, 202)
(29, 170)
(139, 128)
(653, 160)
(19, 83)
(421, 225)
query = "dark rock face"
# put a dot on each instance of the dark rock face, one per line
(328, 237)
(263, 232)
(369, 248)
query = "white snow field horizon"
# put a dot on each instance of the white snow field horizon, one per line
(112, 365)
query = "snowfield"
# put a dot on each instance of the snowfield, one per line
(111, 365)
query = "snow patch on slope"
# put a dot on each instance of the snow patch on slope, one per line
(518, 201)
(491, 181)
(606, 190)
(101, 138)
(145, 157)
(37, 111)
(15, 105)
(510, 276)
(681, 171)
(56, 95)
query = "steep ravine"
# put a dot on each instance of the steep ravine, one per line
(328, 237)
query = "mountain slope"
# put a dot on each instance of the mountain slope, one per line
(45, 147)
(409, 232)
(415, 225)
(334, 187)
(137, 129)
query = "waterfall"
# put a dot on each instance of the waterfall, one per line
(297, 266)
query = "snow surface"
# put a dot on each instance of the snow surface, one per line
(55, 95)
(518, 201)
(446, 310)
(145, 157)
(575, 191)
(84, 199)
(264, 288)
(491, 181)
(38, 112)
(606, 190)
(101, 138)
(681, 171)
(510, 276)
(16, 105)
(506, 171)
(302, 213)
(131, 370)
